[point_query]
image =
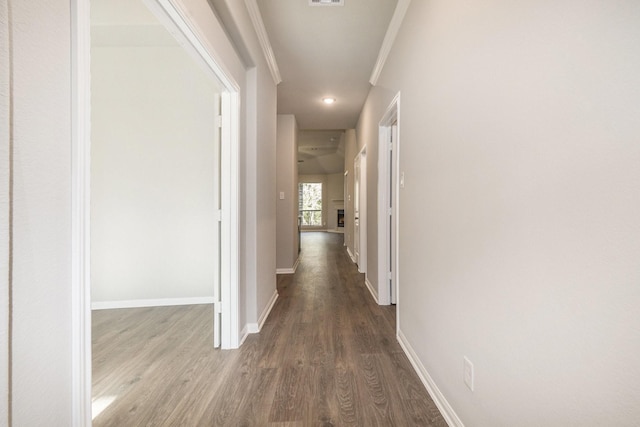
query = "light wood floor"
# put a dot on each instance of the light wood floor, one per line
(326, 356)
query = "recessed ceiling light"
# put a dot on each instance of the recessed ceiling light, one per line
(328, 100)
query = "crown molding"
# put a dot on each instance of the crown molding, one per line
(263, 38)
(389, 38)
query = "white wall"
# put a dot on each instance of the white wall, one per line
(265, 202)
(287, 182)
(155, 175)
(519, 218)
(4, 207)
(41, 304)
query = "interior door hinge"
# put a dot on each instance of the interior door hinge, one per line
(218, 121)
(217, 307)
(219, 215)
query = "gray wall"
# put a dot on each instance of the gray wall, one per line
(518, 230)
(287, 182)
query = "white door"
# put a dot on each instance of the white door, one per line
(217, 218)
(392, 214)
(388, 205)
(356, 209)
(360, 211)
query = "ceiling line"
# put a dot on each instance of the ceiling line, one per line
(389, 38)
(258, 25)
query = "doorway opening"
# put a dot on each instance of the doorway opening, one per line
(360, 210)
(220, 209)
(388, 204)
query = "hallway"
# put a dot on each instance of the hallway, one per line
(326, 356)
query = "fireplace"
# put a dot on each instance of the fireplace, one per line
(340, 217)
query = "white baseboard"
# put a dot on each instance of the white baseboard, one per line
(244, 333)
(254, 328)
(370, 287)
(446, 410)
(161, 302)
(265, 314)
(353, 259)
(291, 270)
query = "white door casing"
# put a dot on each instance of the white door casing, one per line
(360, 210)
(356, 209)
(388, 204)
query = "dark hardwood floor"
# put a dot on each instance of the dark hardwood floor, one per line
(326, 356)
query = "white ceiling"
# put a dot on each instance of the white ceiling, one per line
(324, 51)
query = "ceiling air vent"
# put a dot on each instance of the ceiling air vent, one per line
(326, 2)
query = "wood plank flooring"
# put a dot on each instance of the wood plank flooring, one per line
(326, 356)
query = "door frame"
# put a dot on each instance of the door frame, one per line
(176, 21)
(388, 180)
(360, 176)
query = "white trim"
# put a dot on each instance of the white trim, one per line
(389, 38)
(244, 333)
(159, 302)
(291, 270)
(371, 289)
(363, 213)
(265, 314)
(254, 328)
(391, 115)
(230, 236)
(445, 408)
(174, 16)
(80, 214)
(263, 38)
(353, 259)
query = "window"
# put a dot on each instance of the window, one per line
(310, 203)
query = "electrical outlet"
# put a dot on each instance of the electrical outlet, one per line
(467, 373)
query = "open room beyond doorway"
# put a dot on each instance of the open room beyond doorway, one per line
(155, 173)
(196, 161)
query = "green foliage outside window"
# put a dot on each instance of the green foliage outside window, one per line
(310, 203)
